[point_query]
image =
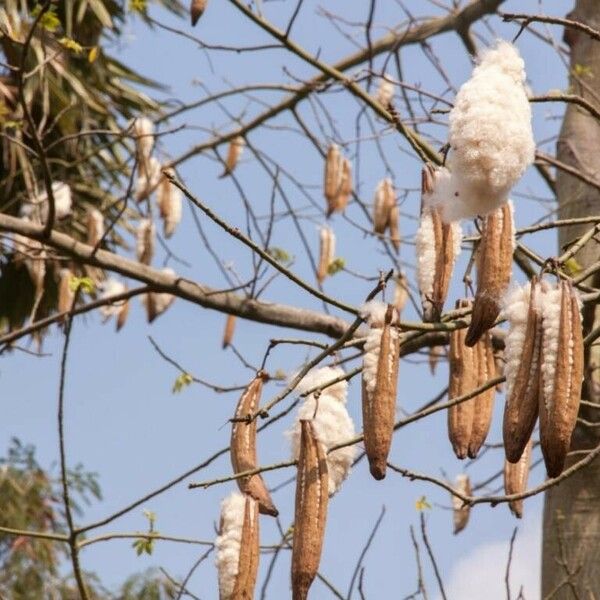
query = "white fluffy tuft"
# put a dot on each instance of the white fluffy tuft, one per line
(490, 137)
(425, 249)
(550, 304)
(515, 308)
(228, 543)
(331, 422)
(317, 377)
(373, 312)
(108, 288)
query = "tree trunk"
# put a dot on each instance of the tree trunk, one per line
(571, 535)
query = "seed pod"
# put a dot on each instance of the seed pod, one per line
(148, 179)
(522, 353)
(143, 130)
(461, 513)
(484, 402)
(494, 266)
(145, 235)
(561, 360)
(346, 187)
(385, 91)
(394, 227)
(169, 206)
(95, 226)
(463, 379)
(326, 408)
(515, 479)
(383, 203)
(156, 303)
(333, 178)
(236, 147)
(326, 252)
(229, 330)
(310, 512)
(400, 292)
(237, 548)
(435, 353)
(197, 8)
(120, 309)
(243, 446)
(437, 246)
(65, 293)
(379, 383)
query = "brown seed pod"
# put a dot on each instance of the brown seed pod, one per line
(326, 252)
(332, 183)
(561, 360)
(379, 385)
(169, 205)
(310, 511)
(400, 292)
(394, 227)
(228, 331)
(437, 246)
(463, 379)
(95, 226)
(243, 446)
(197, 8)
(383, 203)
(249, 554)
(65, 293)
(236, 146)
(145, 237)
(484, 402)
(522, 370)
(120, 310)
(237, 547)
(435, 353)
(494, 267)
(346, 187)
(515, 479)
(461, 513)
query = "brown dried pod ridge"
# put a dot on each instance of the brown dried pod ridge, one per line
(245, 580)
(463, 379)
(383, 203)
(326, 252)
(460, 512)
(521, 409)
(494, 267)
(228, 331)
(379, 406)
(312, 484)
(559, 400)
(484, 402)
(333, 177)
(197, 8)
(243, 446)
(515, 479)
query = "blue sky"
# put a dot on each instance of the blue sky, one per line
(123, 422)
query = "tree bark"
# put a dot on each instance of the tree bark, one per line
(571, 530)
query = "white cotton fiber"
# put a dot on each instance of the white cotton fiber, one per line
(491, 140)
(228, 543)
(331, 422)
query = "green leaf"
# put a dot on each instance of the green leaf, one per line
(336, 265)
(280, 255)
(181, 382)
(70, 44)
(139, 6)
(49, 20)
(421, 504)
(86, 284)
